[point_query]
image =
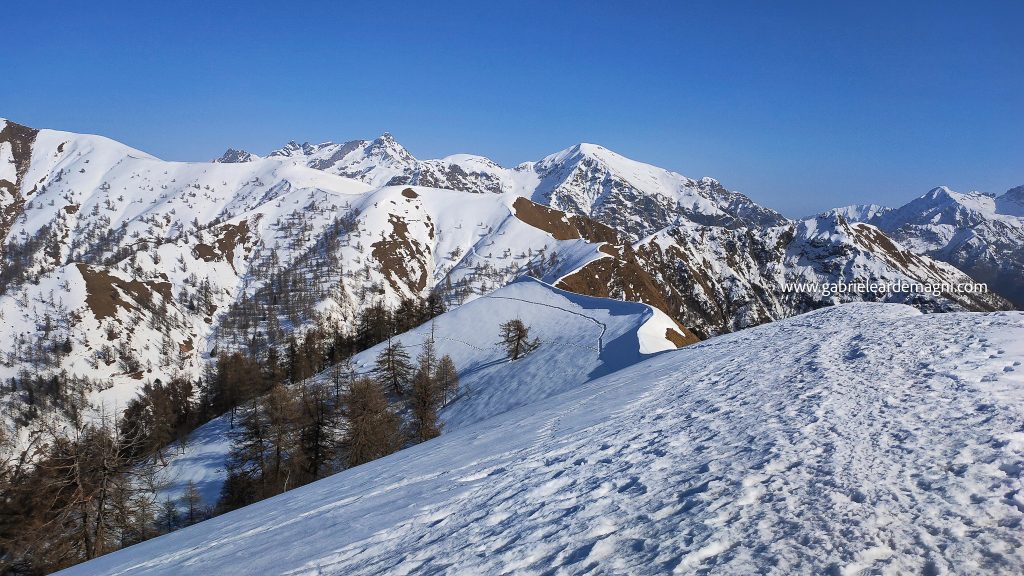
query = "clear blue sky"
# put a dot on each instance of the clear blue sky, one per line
(801, 105)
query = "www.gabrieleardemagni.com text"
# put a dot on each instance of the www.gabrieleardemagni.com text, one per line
(839, 288)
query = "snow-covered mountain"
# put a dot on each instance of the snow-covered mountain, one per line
(863, 438)
(635, 198)
(728, 279)
(981, 234)
(118, 267)
(861, 212)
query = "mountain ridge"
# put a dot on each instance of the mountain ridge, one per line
(586, 179)
(980, 233)
(173, 262)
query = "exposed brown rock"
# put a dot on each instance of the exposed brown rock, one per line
(20, 138)
(680, 339)
(105, 293)
(552, 221)
(231, 235)
(402, 258)
(621, 275)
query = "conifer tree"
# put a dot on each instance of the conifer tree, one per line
(192, 500)
(447, 379)
(393, 368)
(426, 392)
(427, 358)
(424, 403)
(515, 338)
(373, 429)
(169, 515)
(281, 410)
(318, 430)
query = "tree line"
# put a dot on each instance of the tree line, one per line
(72, 497)
(68, 498)
(296, 434)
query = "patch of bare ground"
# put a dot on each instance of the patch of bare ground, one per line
(620, 275)
(552, 221)
(223, 248)
(402, 258)
(680, 339)
(106, 293)
(20, 139)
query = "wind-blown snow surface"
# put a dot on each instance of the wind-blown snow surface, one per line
(865, 437)
(581, 337)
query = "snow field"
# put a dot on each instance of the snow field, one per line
(860, 438)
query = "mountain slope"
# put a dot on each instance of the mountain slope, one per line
(729, 279)
(863, 437)
(118, 267)
(582, 338)
(981, 234)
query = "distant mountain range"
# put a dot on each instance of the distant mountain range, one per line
(118, 267)
(981, 234)
(635, 198)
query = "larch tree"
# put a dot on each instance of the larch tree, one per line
(426, 393)
(318, 430)
(193, 501)
(515, 338)
(447, 379)
(373, 429)
(393, 368)
(424, 403)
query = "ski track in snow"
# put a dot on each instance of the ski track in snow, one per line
(862, 438)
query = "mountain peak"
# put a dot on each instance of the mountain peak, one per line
(387, 147)
(940, 192)
(1016, 194)
(293, 148)
(233, 156)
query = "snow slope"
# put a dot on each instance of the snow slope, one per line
(117, 267)
(581, 338)
(170, 247)
(864, 438)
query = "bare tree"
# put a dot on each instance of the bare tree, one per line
(193, 502)
(447, 378)
(515, 337)
(373, 429)
(393, 367)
